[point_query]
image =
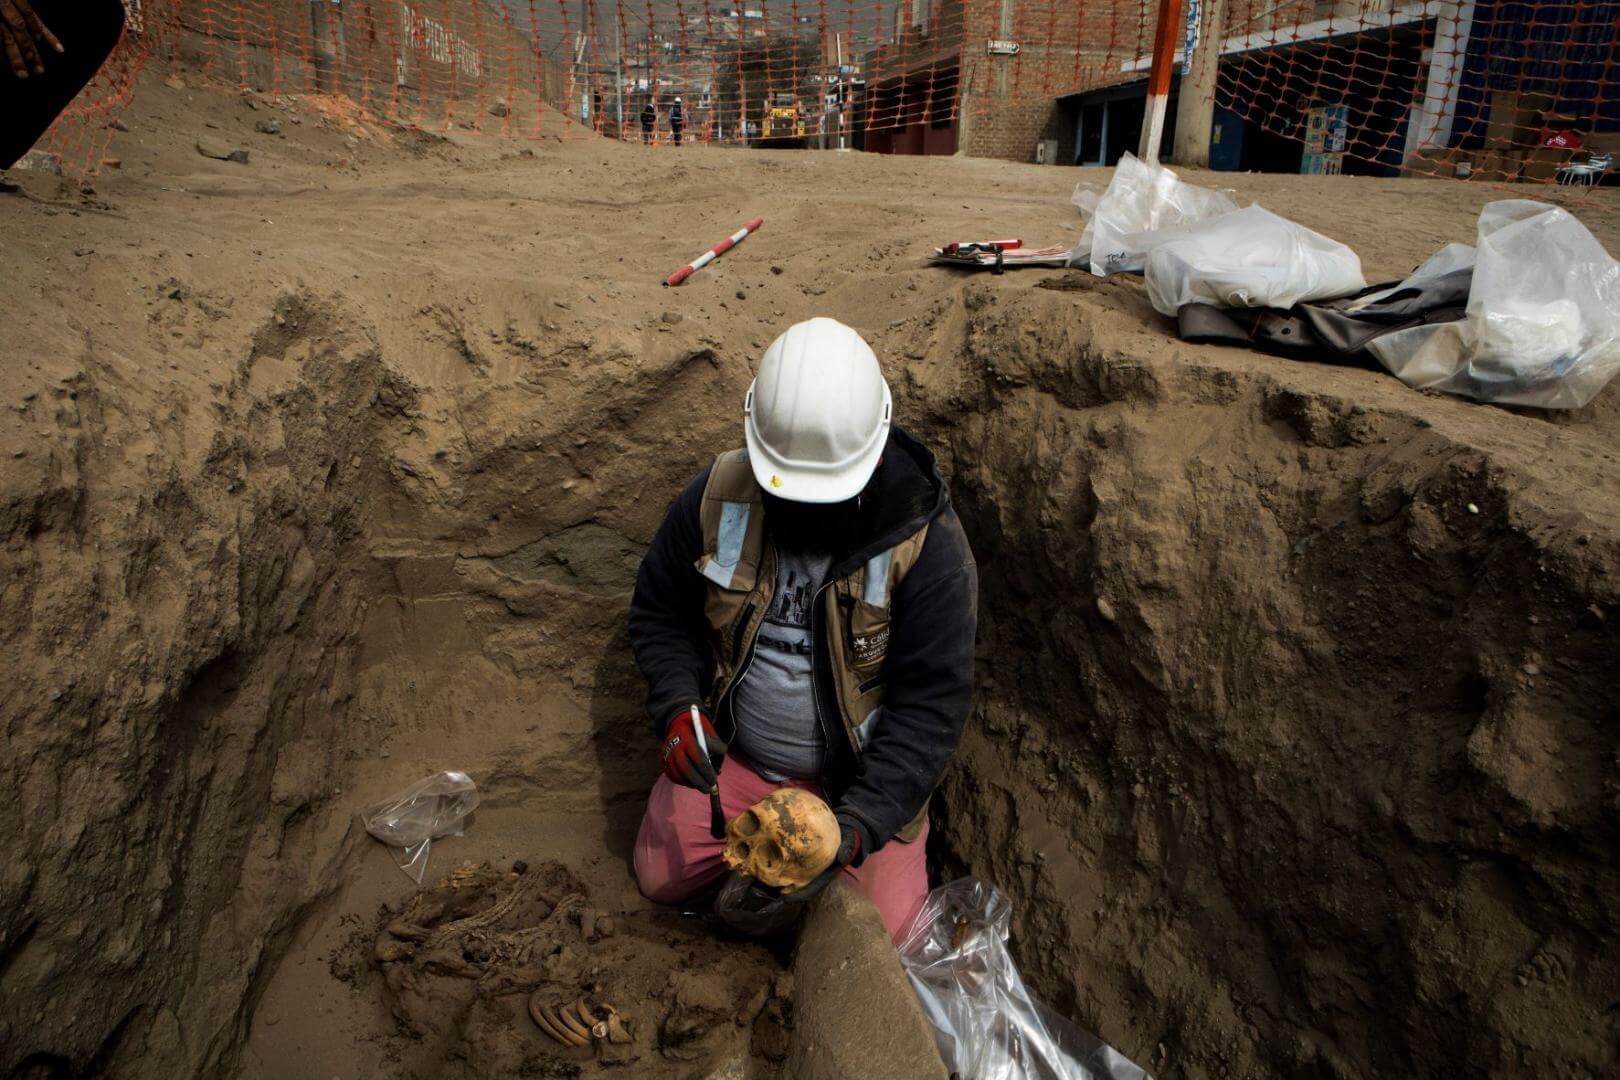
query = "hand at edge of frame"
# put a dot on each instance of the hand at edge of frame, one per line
(20, 29)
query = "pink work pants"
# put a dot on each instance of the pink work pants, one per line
(676, 856)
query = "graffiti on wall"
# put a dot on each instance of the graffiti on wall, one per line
(437, 42)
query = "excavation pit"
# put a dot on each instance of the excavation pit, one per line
(1295, 744)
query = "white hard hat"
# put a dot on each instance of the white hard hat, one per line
(677, 101)
(818, 414)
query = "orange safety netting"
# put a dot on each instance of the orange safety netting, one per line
(1503, 90)
(1519, 90)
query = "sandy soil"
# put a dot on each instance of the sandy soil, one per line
(1296, 748)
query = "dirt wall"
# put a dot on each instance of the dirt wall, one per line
(321, 561)
(250, 545)
(1296, 743)
(176, 659)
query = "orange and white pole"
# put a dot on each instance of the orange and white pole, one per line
(1167, 34)
(713, 253)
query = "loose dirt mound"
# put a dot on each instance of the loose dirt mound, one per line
(1296, 750)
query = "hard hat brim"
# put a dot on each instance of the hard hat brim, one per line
(833, 484)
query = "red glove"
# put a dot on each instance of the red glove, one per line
(684, 759)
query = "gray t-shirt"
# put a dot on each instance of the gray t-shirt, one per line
(774, 704)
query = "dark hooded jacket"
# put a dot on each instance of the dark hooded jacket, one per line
(929, 664)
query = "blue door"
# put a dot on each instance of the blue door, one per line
(1226, 141)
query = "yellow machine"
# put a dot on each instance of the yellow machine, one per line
(784, 122)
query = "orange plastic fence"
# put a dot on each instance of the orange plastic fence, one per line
(1493, 89)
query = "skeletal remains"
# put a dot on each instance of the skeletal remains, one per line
(785, 840)
(577, 1023)
(508, 931)
(482, 924)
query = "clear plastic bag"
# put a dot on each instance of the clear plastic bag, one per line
(419, 815)
(986, 1024)
(1249, 258)
(1125, 221)
(1543, 322)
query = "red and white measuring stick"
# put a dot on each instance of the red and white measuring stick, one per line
(713, 253)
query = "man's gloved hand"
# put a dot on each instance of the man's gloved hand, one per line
(759, 910)
(849, 851)
(685, 740)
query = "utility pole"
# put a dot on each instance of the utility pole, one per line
(1167, 32)
(742, 72)
(843, 88)
(618, 67)
(1195, 107)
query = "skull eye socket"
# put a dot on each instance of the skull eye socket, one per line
(784, 840)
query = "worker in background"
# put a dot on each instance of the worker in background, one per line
(806, 614)
(677, 120)
(649, 117)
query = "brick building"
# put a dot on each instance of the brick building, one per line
(1403, 83)
(983, 76)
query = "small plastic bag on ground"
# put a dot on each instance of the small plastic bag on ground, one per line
(1543, 321)
(419, 815)
(986, 1024)
(1249, 258)
(1123, 223)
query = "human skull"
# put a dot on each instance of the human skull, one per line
(785, 840)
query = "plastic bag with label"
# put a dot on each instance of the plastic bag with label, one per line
(1543, 320)
(1247, 259)
(428, 809)
(986, 1024)
(1124, 222)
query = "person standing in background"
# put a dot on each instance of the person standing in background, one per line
(649, 117)
(677, 120)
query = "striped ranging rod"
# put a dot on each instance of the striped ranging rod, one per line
(713, 253)
(1165, 35)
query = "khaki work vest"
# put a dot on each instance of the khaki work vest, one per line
(740, 569)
